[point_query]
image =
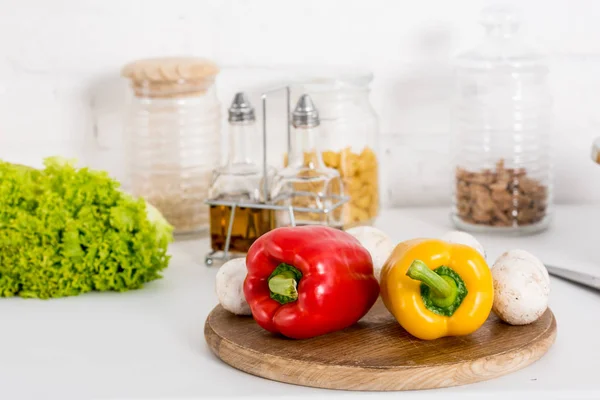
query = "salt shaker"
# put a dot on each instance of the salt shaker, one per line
(306, 182)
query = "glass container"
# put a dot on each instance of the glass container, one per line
(239, 180)
(596, 150)
(503, 169)
(348, 139)
(306, 182)
(173, 135)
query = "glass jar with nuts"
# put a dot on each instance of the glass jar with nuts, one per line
(348, 139)
(503, 170)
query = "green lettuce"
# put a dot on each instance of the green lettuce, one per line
(66, 231)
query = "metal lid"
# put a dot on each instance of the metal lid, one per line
(241, 110)
(305, 114)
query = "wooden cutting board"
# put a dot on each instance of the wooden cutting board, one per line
(377, 354)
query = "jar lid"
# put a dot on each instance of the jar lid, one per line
(170, 76)
(503, 45)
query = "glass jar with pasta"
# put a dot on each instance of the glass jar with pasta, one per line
(348, 139)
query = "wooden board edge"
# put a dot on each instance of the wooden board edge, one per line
(377, 379)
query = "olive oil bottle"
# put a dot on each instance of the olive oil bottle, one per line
(239, 180)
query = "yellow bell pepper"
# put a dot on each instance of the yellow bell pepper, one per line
(435, 288)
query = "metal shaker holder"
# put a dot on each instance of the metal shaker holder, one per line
(268, 204)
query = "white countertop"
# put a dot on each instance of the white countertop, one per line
(149, 344)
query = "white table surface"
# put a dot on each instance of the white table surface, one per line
(149, 344)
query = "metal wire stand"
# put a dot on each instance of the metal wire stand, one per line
(269, 204)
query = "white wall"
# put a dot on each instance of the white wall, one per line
(60, 59)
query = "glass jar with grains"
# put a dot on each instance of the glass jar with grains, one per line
(503, 170)
(173, 134)
(348, 139)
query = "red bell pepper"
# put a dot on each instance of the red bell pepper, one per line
(308, 281)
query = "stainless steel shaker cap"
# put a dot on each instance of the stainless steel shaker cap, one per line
(241, 110)
(305, 114)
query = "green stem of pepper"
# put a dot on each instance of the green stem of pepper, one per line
(283, 283)
(419, 271)
(442, 290)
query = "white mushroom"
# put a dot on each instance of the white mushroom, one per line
(521, 287)
(464, 238)
(230, 286)
(377, 243)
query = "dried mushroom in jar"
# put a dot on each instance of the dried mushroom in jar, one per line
(502, 197)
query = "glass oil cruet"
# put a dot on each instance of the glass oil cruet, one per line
(306, 183)
(239, 180)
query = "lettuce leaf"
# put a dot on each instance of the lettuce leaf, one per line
(66, 231)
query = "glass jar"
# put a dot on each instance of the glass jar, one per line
(596, 151)
(348, 139)
(503, 174)
(173, 133)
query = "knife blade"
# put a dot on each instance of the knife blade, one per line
(575, 276)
